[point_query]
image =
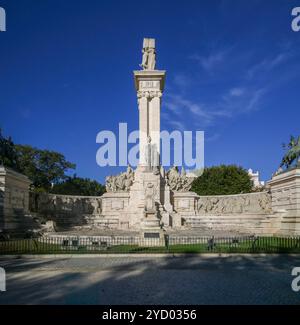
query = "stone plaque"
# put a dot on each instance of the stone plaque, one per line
(117, 205)
(183, 204)
(149, 84)
(151, 235)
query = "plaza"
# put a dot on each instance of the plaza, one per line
(157, 279)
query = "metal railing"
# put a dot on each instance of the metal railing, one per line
(167, 244)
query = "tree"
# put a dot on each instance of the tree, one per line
(292, 154)
(8, 153)
(46, 169)
(43, 167)
(223, 180)
(79, 186)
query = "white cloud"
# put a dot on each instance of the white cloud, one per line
(255, 99)
(237, 101)
(267, 65)
(209, 62)
(212, 138)
(181, 80)
(241, 100)
(247, 96)
(178, 125)
(236, 92)
(182, 106)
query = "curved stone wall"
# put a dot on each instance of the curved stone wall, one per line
(249, 203)
(196, 211)
(66, 210)
(246, 213)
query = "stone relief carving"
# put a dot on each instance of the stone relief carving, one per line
(97, 205)
(178, 182)
(245, 203)
(149, 94)
(121, 182)
(56, 204)
(17, 198)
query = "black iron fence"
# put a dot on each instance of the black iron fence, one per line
(167, 244)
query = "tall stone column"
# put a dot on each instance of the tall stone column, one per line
(154, 125)
(143, 125)
(149, 85)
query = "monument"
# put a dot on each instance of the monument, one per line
(141, 199)
(150, 200)
(141, 205)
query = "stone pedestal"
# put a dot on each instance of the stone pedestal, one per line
(285, 190)
(113, 214)
(14, 201)
(185, 203)
(151, 233)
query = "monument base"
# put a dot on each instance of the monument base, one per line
(152, 236)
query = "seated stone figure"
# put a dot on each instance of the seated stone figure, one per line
(149, 197)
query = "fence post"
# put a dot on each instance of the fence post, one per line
(167, 242)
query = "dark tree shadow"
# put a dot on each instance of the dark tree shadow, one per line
(234, 279)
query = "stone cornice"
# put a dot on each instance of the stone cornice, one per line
(7, 171)
(285, 177)
(148, 94)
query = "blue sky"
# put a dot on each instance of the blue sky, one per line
(232, 70)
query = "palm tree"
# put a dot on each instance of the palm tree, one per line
(293, 152)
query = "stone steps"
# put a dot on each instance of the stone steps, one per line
(245, 223)
(101, 221)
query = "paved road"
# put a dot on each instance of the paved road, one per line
(150, 280)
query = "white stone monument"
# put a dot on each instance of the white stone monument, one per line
(141, 199)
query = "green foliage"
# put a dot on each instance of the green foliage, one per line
(292, 154)
(222, 180)
(8, 153)
(79, 186)
(46, 169)
(43, 167)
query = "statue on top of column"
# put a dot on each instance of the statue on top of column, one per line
(148, 61)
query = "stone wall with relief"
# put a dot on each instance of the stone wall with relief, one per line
(245, 213)
(274, 212)
(66, 211)
(250, 203)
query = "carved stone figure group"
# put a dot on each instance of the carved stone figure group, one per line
(178, 182)
(121, 182)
